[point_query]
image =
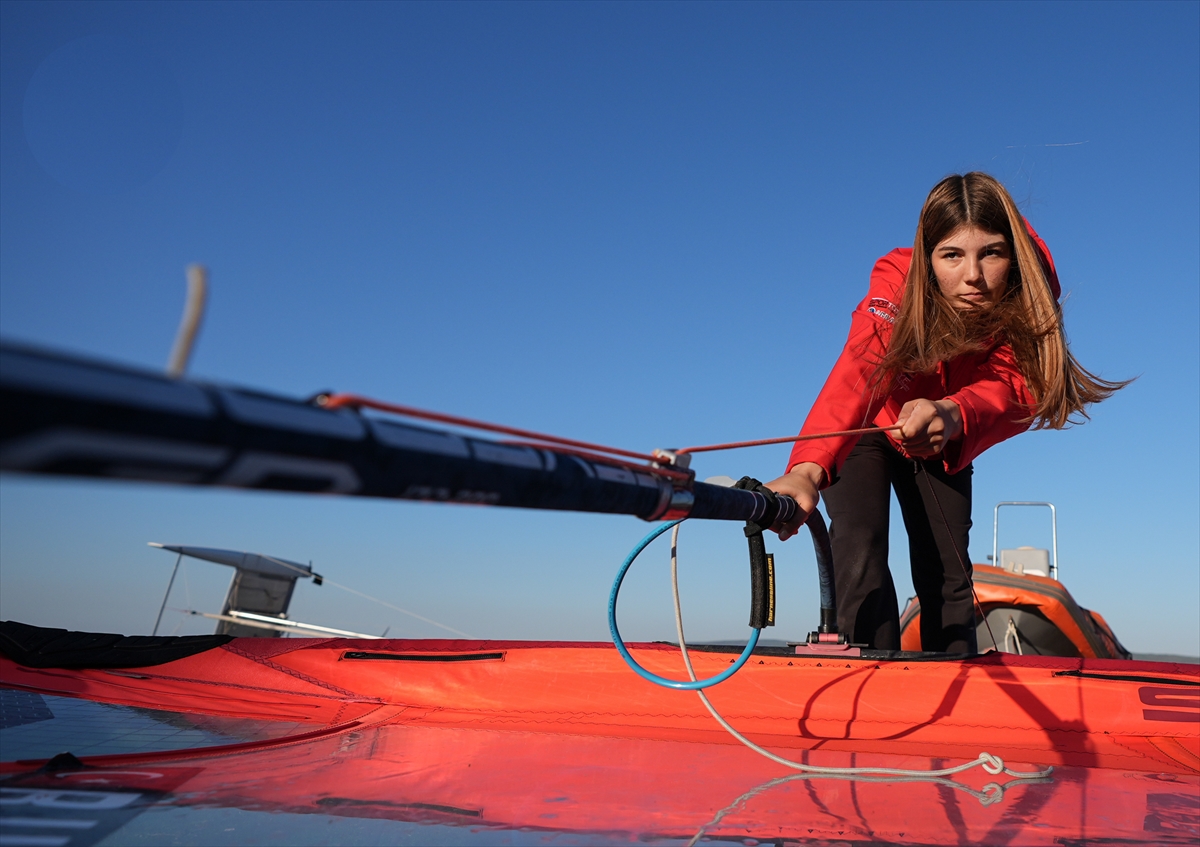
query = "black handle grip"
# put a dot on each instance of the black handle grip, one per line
(762, 579)
(770, 510)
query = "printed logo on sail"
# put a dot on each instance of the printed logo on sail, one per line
(1183, 704)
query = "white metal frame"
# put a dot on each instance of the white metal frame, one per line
(1053, 531)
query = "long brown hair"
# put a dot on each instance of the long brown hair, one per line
(929, 329)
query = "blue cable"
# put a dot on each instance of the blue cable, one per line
(683, 685)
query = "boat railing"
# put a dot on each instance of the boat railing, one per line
(1053, 531)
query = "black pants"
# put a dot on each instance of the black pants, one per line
(858, 505)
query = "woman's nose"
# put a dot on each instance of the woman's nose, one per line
(973, 271)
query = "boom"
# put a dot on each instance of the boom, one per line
(72, 416)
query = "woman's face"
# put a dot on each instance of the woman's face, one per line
(971, 266)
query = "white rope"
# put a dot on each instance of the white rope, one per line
(397, 608)
(328, 581)
(1011, 633)
(992, 764)
(991, 793)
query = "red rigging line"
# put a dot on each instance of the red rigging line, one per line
(733, 445)
(583, 449)
(338, 401)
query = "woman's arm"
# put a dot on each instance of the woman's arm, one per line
(850, 399)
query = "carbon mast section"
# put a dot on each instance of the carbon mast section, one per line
(73, 416)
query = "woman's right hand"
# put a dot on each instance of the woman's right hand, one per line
(802, 483)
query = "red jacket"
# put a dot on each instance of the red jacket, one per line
(987, 386)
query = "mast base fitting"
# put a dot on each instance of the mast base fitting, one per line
(826, 638)
(826, 644)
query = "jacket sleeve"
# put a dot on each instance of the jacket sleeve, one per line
(995, 402)
(849, 400)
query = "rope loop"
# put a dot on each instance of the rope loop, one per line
(992, 764)
(683, 685)
(991, 793)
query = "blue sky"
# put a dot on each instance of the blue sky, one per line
(639, 224)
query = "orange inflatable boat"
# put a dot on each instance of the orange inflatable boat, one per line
(1027, 614)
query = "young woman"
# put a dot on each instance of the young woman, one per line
(959, 342)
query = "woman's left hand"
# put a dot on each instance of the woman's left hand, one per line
(927, 426)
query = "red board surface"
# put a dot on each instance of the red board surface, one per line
(563, 738)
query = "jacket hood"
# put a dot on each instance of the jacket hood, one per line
(1047, 260)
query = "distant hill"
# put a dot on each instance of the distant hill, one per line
(1167, 657)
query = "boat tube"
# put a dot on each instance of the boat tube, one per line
(1028, 614)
